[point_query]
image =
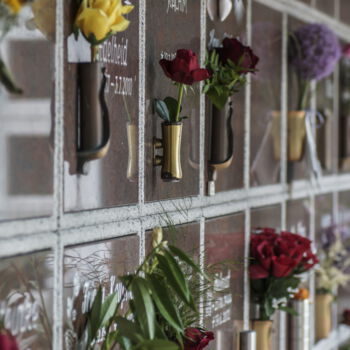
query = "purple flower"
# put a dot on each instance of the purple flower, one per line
(314, 51)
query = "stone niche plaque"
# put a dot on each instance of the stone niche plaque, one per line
(112, 180)
(269, 217)
(298, 217)
(224, 242)
(86, 268)
(231, 177)
(26, 299)
(171, 25)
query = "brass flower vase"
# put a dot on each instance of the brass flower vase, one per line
(323, 315)
(171, 158)
(263, 331)
(296, 135)
(131, 132)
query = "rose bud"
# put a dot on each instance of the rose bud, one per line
(197, 339)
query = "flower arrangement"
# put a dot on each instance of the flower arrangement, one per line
(229, 64)
(314, 51)
(184, 71)
(277, 261)
(98, 20)
(162, 297)
(334, 261)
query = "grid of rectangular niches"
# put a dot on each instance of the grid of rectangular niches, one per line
(66, 229)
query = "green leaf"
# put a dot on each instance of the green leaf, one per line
(186, 259)
(289, 310)
(171, 103)
(95, 315)
(175, 277)
(128, 329)
(157, 344)
(164, 303)
(108, 308)
(144, 307)
(161, 109)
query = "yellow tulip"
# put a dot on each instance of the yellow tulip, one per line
(14, 5)
(97, 19)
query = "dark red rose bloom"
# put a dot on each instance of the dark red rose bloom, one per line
(257, 272)
(283, 266)
(8, 341)
(240, 55)
(184, 68)
(197, 339)
(279, 255)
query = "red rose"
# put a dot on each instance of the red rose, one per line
(184, 68)
(257, 272)
(240, 55)
(283, 266)
(197, 339)
(8, 341)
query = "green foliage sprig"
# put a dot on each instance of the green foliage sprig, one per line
(226, 79)
(161, 304)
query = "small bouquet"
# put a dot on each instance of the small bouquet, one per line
(229, 63)
(334, 262)
(314, 51)
(162, 299)
(277, 261)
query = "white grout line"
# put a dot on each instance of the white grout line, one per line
(284, 100)
(58, 309)
(142, 101)
(247, 104)
(202, 265)
(203, 50)
(246, 280)
(308, 14)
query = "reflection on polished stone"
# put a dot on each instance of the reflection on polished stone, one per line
(88, 267)
(26, 299)
(26, 114)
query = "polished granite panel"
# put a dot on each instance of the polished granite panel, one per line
(26, 117)
(113, 180)
(224, 242)
(86, 268)
(180, 23)
(266, 96)
(232, 176)
(26, 299)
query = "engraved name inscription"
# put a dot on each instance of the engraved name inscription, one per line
(177, 6)
(115, 52)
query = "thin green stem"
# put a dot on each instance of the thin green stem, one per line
(179, 102)
(303, 94)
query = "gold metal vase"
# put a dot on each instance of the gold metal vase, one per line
(131, 130)
(323, 315)
(296, 135)
(171, 158)
(263, 331)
